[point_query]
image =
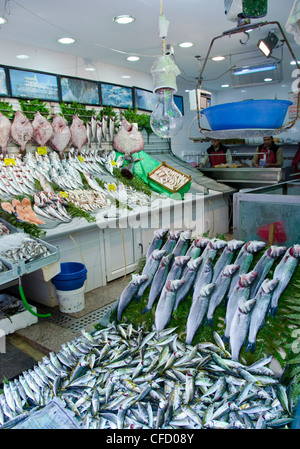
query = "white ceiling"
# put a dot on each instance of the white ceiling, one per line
(39, 23)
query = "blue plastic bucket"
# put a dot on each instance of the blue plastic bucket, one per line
(259, 114)
(71, 277)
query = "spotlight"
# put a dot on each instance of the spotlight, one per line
(267, 44)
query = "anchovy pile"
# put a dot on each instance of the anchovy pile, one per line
(123, 378)
(27, 249)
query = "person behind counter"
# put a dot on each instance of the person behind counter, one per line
(270, 154)
(216, 154)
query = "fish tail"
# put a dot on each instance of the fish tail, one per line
(250, 347)
(146, 309)
(209, 322)
(273, 310)
(137, 298)
(225, 338)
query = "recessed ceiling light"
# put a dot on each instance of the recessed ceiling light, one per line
(2, 20)
(186, 44)
(268, 79)
(225, 85)
(124, 19)
(66, 40)
(133, 58)
(22, 56)
(218, 58)
(90, 69)
(125, 76)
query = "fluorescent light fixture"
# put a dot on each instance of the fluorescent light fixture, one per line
(186, 44)
(254, 69)
(218, 58)
(124, 19)
(2, 20)
(22, 56)
(225, 85)
(90, 69)
(268, 79)
(125, 76)
(66, 40)
(133, 58)
(267, 44)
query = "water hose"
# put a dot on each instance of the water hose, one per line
(27, 305)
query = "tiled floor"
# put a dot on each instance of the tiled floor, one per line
(25, 347)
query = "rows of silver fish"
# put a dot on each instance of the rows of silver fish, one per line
(125, 378)
(181, 268)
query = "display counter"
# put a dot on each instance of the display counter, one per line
(243, 177)
(111, 247)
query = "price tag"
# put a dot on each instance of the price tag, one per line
(9, 160)
(113, 163)
(64, 194)
(42, 150)
(80, 158)
(111, 187)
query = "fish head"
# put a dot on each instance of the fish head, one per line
(207, 289)
(157, 254)
(229, 270)
(234, 244)
(138, 279)
(200, 242)
(255, 246)
(181, 260)
(193, 264)
(185, 235)
(174, 235)
(219, 244)
(160, 233)
(166, 260)
(246, 279)
(174, 285)
(276, 251)
(295, 251)
(245, 306)
(269, 285)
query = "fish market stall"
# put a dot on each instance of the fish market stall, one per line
(268, 213)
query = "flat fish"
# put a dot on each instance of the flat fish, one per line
(42, 129)
(128, 139)
(21, 131)
(5, 127)
(78, 133)
(61, 136)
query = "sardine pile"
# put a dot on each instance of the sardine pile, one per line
(22, 247)
(88, 200)
(169, 178)
(123, 378)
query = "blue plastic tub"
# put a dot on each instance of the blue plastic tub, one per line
(71, 277)
(258, 114)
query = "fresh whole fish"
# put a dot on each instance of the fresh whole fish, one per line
(158, 281)
(150, 269)
(166, 303)
(203, 276)
(177, 267)
(196, 247)
(240, 292)
(61, 135)
(198, 312)
(221, 286)
(240, 326)
(226, 257)
(188, 277)
(128, 139)
(264, 265)
(183, 243)
(284, 272)
(157, 241)
(171, 241)
(259, 312)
